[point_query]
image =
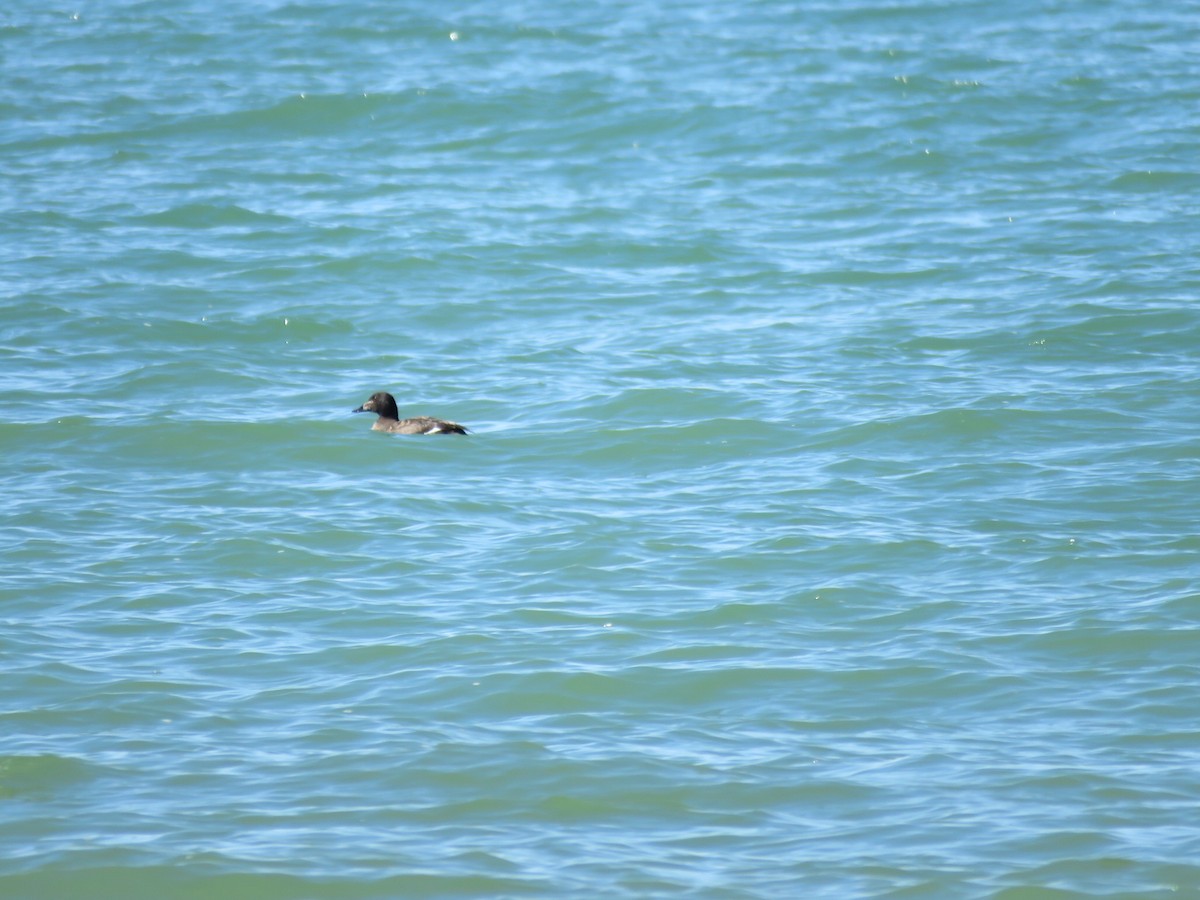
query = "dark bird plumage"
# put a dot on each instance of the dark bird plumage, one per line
(383, 405)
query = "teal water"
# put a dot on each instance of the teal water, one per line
(828, 528)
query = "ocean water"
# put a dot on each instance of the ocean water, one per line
(828, 527)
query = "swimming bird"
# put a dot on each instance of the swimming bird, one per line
(384, 405)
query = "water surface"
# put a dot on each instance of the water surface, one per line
(828, 524)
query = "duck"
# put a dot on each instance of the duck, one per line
(383, 404)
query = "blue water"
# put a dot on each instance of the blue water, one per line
(828, 525)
